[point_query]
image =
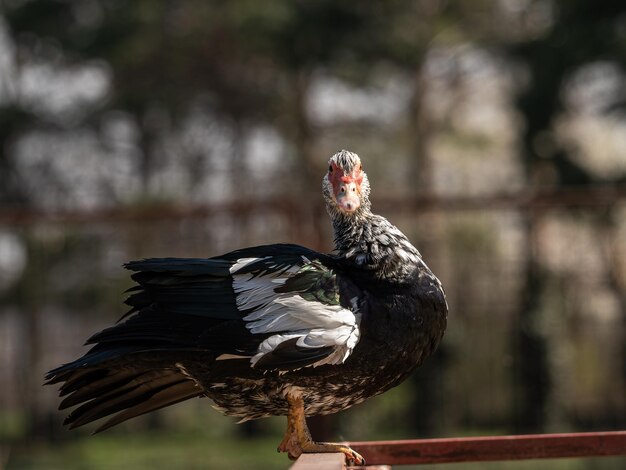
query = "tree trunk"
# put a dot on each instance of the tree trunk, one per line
(531, 368)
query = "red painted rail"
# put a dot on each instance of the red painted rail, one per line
(481, 449)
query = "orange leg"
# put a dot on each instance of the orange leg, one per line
(298, 439)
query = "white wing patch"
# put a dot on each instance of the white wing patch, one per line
(314, 324)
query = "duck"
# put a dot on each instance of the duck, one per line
(271, 330)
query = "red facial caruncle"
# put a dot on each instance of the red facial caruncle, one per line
(346, 187)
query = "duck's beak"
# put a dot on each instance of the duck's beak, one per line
(348, 195)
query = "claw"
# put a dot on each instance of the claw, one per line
(353, 457)
(298, 439)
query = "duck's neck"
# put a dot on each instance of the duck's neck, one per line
(352, 231)
(371, 242)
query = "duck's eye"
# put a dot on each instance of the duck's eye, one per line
(330, 168)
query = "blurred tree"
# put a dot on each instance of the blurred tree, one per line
(249, 63)
(13, 121)
(581, 32)
(241, 60)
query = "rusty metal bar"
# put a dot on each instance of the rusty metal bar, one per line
(571, 197)
(24, 216)
(586, 197)
(482, 449)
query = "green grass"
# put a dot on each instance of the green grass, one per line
(197, 451)
(193, 436)
(150, 451)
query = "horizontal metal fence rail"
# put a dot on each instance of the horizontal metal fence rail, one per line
(476, 449)
(573, 197)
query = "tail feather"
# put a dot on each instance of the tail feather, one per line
(105, 385)
(138, 390)
(79, 379)
(181, 309)
(93, 357)
(176, 393)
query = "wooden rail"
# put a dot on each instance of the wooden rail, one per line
(477, 449)
(329, 462)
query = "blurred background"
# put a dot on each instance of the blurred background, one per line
(494, 136)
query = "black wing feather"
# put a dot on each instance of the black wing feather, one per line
(289, 356)
(178, 306)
